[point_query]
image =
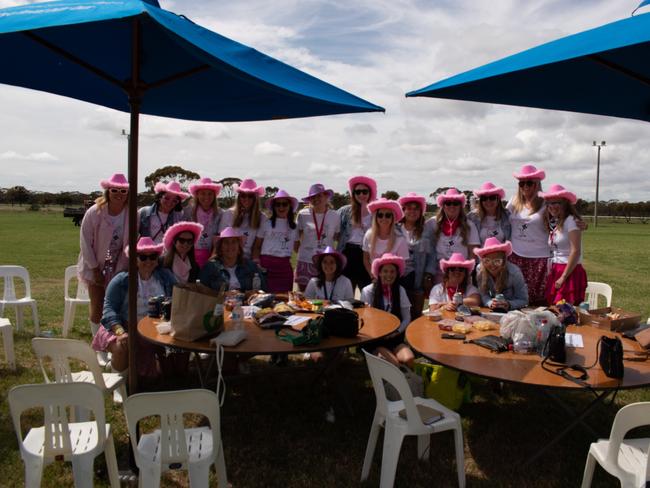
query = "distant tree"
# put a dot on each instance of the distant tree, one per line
(19, 195)
(169, 173)
(340, 199)
(390, 195)
(227, 194)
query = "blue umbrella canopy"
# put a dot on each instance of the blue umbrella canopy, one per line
(83, 49)
(601, 71)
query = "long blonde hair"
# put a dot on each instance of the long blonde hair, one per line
(462, 223)
(240, 213)
(478, 208)
(103, 200)
(195, 205)
(519, 202)
(483, 276)
(374, 234)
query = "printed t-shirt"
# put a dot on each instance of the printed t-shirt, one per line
(278, 240)
(529, 235)
(447, 245)
(400, 246)
(328, 224)
(561, 244)
(490, 227)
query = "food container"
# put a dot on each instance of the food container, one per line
(604, 318)
(433, 315)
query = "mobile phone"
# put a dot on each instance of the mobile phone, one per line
(447, 335)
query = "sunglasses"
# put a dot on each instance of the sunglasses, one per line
(123, 191)
(150, 257)
(456, 270)
(246, 196)
(495, 262)
(489, 198)
(527, 183)
(189, 241)
(452, 203)
(281, 204)
(386, 215)
(361, 191)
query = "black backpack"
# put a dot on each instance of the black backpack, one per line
(341, 322)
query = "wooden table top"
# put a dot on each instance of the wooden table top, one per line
(425, 337)
(376, 324)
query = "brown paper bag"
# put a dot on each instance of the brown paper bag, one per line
(193, 311)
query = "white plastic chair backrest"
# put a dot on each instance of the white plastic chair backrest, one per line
(82, 289)
(54, 399)
(595, 288)
(383, 370)
(627, 418)
(170, 407)
(60, 351)
(9, 273)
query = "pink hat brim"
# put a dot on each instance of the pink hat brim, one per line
(316, 258)
(106, 184)
(328, 192)
(294, 201)
(535, 175)
(388, 259)
(162, 188)
(504, 247)
(196, 187)
(492, 191)
(258, 190)
(364, 180)
(565, 194)
(178, 228)
(441, 199)
(155, 249)
(420, 200)
(391, 205)
(447, 263)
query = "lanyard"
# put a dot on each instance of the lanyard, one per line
(331, 291)
(388, 298)
(319, 231)
(163, 227)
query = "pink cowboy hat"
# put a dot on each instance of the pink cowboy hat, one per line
(457, 260)
(413, 198)
(179, 228)
(388, 259)
(317, 189)
(205, 184)
(529, 172)
(558, 191)
(229, 232)
(248, 185)
(391, 205)
(492, 244)
(364, 180)
(146, 245)
(488, 188)
(118, 180)
(282, 195)
(451, 195)
(329, 251)
(172, 187)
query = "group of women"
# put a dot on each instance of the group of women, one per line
(527, 251)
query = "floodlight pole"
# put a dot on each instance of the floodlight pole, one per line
(599, 146)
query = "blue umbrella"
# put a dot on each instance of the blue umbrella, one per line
(601, 71)
(133, 56)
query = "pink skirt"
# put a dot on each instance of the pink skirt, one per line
(202, 256)
(147, 363)
(573, 288)
(534, 271)
(279, 273)
(304, 272)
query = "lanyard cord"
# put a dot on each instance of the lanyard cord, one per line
(319, 230)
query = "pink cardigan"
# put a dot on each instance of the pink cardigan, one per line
(94, 238)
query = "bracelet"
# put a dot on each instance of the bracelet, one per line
(118, 330)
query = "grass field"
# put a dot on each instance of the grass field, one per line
(274, 430)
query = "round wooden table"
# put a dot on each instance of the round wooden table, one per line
(425, 337)
(376, 324)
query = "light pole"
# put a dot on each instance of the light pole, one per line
(602, 143)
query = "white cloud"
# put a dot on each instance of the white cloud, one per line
(267, 148)
(39, 156)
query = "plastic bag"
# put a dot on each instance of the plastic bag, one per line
(518, 327)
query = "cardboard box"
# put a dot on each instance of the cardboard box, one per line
(598, 318)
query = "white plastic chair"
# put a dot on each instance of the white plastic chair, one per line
(396, 427)
(60, 351)
(594, 290)
(71, 302)
(627, 459)
(8, 342)
(59, 439)
(9, 273)
(173, 446)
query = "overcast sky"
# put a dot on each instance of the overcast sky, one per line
(378, 50)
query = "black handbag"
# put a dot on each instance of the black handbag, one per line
(555, 347)
(492, 342)
(341, 322)
(610, 357)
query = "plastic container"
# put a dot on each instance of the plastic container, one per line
(237, 316)
(524, 347)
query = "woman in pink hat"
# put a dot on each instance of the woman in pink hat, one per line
(384, 236)
(165, 211)
(414, 207)
(275, 241)
(204, 210)
(500, 282)
(449, 231)
(246, 215)
(153, 280)
(489, 214)
(103, 238)
(567, 279)
(355, 221)
(457, 278)
(330, 284)
(385, 293)
(180, 241)
(318, 227)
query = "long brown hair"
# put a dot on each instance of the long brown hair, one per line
(567, 209)
(377, 294)
(478, 208)
(483, 275)
(419, 223)
(254, 214)
(445, 279)
(356, 206)
(168, 257)
(462, 223)
(519, 202)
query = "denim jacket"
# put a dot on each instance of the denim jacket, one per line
(214, 274)
(506, 226)
(516, 291)
(418, 256)
(144, 220)
(345, 212)
(116, 302)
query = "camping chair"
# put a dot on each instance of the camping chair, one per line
(71, 302)
(9, 273)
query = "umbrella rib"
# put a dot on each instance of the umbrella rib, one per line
(177, 76)
(620, 69)
(73, 58)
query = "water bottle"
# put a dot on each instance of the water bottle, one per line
(237, 316)
(257, 282)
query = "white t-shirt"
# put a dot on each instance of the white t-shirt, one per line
(233, 284)
(439, 293)
(329, 224)
(400, 246)
(560, 243)
(278, 240)
(117, 236)
(250, 234)
(447, 245)
(357, 232)
(490, 227)
(156, 222)
(342, 289)
(529, 235)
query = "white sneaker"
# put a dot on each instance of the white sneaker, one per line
(103, 358)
